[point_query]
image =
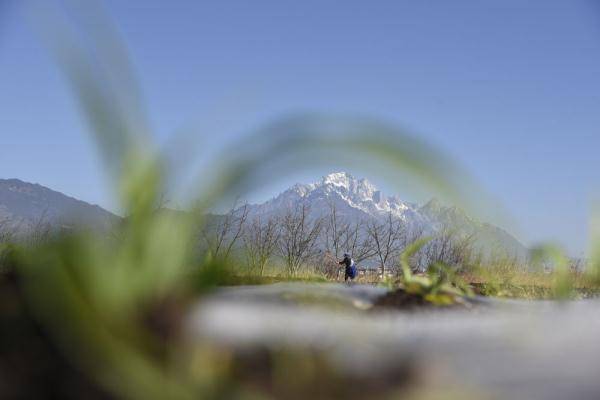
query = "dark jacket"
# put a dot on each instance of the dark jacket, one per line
(347, 260)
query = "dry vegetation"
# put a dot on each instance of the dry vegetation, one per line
(300, 244)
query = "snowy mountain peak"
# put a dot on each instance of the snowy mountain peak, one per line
(348, 194)
(337, 178)
(301, 189)
(357, 189)
(345, 180)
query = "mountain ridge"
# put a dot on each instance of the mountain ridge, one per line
(359, 199)
(27, 204)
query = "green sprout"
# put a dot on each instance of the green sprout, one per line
(440, 287)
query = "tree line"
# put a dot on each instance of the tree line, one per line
(299, 238)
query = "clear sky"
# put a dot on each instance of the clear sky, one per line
(510, 88)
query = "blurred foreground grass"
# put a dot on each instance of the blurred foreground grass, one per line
(85, 315)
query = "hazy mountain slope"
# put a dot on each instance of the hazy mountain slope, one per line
(26, 204)
(489, 238)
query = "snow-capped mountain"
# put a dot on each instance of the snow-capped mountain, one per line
(351, 197)
(358, 199)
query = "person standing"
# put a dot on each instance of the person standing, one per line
(350, 269)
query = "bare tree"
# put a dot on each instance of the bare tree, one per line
(298, 240)
(449, 246)
(411, 234)
(333, 231)
(343, 236)
(349, 237)
(260, 242)
(389, 237)
(222, 233)
(358, 242)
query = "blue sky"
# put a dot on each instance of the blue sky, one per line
(510, 89)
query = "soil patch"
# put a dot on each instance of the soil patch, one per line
(401, 300)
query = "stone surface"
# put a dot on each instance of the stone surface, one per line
(502, 349)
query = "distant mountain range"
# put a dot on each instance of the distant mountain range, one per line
(26, 205)
(358, 199)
